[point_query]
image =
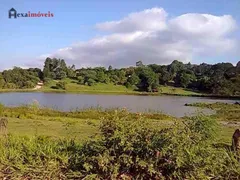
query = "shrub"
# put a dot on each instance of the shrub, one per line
(9, 86)
(131, 147)
(29, 84)
(128, 85)
(127, 145)
(47, 81)
(91, 82)
(61, 85)
(80, 80)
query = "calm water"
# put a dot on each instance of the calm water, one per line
(172, 105)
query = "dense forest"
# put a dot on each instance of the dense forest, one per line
(219, 79)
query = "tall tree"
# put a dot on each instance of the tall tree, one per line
(47, 68)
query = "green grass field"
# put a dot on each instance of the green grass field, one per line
(224, 111)
(80, 125)
(102, 88)
(82, 129)
(176, 91)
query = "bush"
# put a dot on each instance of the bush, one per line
(126, 146)
(47, 81)
(131, 147)
(61, 85)
(80, 80)
(91, 82)
(10, 86)
(128, 85)
(29, 84)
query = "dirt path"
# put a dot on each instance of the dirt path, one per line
(37, 87)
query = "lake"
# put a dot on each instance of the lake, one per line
(172, 105)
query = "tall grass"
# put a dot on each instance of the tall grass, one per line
(32, 158)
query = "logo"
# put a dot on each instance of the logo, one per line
(12, 13)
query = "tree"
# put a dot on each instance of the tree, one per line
(133, 79)
(110, 68)
(2, 81)
(19, 77)
(60, 74)
(175, 67)
(184, 78)
(156, 68)
(90, 74)
(55, 68)
(36, 72)
(71, 73)
(101, 77)
(73, 67)
(46, 69)
(220, 78)
(139, 63)
(148, 78)
(114, 78)
(122, 78)
(164, 77)
(63, 65)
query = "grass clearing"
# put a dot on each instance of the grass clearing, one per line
(81, 125)
(80, 129)
(102, 88)
(177, 91)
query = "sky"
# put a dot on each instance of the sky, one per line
(119, 33)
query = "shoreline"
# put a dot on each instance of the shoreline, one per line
(137, 93)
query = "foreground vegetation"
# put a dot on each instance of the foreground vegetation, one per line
(222, 79)
(113, 144)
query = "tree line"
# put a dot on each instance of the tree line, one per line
(18, 78)
(220, 78)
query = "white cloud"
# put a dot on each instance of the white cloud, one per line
(147, 20)
(151, 37)
(203, 25)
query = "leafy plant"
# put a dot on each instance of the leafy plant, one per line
(61, 85)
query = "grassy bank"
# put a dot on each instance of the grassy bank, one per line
(112, 144)
(100, 88)
(83, 124)
(106, 89)
(32, 120)
(224, 111)
(72, 86)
